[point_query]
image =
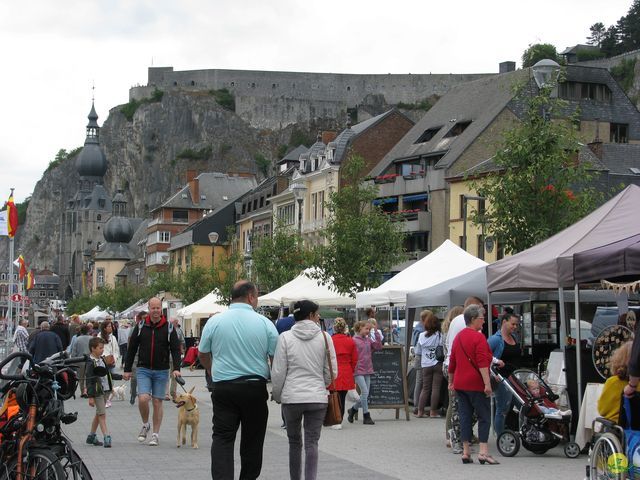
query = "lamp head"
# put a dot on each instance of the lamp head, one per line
(298, 190)
(213, 237)
(545, 72)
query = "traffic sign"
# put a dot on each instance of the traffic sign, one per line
(16, 297)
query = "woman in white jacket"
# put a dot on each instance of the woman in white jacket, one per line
(299, 377)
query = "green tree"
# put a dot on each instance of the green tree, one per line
(228, 270)
(193, 284)
(539, 187)
(363, 242)
(537, 52)
(596, 34)
(279, 258)
(262, 163)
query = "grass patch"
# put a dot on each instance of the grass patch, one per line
(191, 154)
(129, 109)
(424, 104)
(224, 98)
(624, 73)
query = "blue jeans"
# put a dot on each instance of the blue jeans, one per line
(363, 382)
(152, 382)
(503, 398)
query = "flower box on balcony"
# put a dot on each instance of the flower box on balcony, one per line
(389, 178)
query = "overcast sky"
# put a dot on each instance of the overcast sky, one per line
(54, 51)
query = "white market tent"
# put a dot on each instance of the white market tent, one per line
(205, 307)
(201, 309)
(305, 288)
(94, 314)
(445, 262)
(130, 312)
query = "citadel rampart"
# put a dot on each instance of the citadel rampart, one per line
(277, 99)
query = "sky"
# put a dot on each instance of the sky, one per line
(54, 52)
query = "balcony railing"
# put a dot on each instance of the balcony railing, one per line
(314, 225)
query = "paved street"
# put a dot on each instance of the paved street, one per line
(392, 449)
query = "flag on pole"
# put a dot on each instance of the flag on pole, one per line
(21, 265)
(4, 230)
(30, 280)
(12, 217)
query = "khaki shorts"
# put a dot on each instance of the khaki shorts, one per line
(101, 403)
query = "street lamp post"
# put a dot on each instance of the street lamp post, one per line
(545, 74)
(299, 190)
(137, 272)
(465, 199)
(213, 239)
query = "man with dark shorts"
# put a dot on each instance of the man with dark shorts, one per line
(154, 341)
(239, 343)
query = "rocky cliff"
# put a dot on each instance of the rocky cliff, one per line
(148, 156)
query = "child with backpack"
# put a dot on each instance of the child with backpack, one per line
(98, 390)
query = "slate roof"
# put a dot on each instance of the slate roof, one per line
(478, 101)
(214, 186)
(481, 101)
(346, 137)
(620, 157)
(293, 155)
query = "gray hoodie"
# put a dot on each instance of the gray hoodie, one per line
(300, 370)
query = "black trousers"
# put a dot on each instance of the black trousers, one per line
(238, 404)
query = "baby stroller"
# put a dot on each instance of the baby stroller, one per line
(537, 431)
(615, 451)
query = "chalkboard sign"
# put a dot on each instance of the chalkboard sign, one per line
(389, 380)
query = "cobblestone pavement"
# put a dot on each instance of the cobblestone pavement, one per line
(392, 449)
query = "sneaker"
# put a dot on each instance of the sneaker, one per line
(107, 441)
(154, 440)
(92, 439)
(108, 404)
(456, 448)
(142, 436)
(336, 427)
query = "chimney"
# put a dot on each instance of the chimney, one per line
(194, 186)
(505, 67)
(596, 148)
(191, 174)
(328, 136)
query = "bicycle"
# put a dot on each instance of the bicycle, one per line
(33, 443)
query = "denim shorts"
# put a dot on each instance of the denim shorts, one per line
(152, 382)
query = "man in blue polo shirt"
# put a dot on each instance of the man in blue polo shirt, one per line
(239, 343)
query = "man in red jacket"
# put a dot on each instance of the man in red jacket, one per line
(156, 341)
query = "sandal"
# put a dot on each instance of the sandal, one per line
(487, 459)
(467, 459)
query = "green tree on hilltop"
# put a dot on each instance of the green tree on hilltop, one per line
(537, 52)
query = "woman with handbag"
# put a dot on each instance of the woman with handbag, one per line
(347, 356)
(431, 352)
(469, 377)
(303, 366)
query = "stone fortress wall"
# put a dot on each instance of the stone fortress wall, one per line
(277, 99)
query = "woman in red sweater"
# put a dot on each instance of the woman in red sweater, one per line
(469, 377)
(347, 356)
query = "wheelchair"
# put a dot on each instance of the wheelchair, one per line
(608, 442)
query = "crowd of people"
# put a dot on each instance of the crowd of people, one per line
(242, 351)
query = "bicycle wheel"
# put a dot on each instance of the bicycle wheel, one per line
(38, 465)
(602, 463)
(73, 466)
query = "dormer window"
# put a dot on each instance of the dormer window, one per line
(457, 129)
(428, 135)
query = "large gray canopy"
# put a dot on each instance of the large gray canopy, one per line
(618, 260)
(549, 264)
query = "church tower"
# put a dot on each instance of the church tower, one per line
(86, 213)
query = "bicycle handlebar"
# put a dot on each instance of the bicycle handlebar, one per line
(9, 359)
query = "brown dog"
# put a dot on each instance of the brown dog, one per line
(187, 415)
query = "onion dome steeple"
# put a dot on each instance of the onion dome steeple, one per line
(118, 229)
(91, 161)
